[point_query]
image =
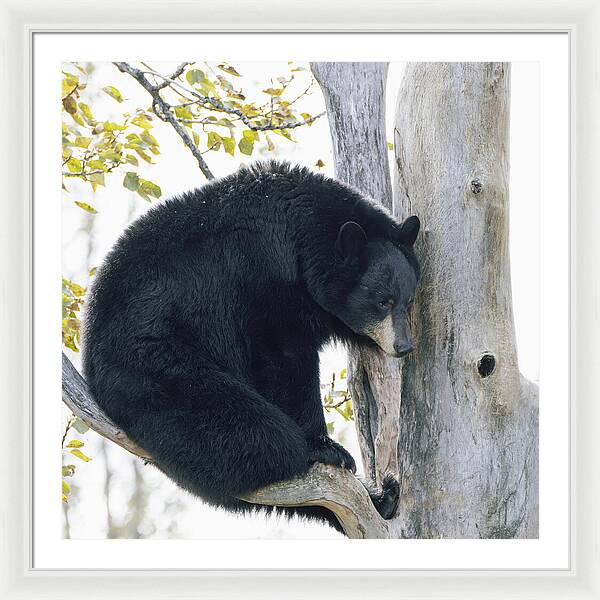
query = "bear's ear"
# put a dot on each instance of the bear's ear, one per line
(409, 231)
(351, 240)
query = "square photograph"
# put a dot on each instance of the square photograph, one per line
(300, 300)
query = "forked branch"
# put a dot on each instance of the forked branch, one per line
(331, 487)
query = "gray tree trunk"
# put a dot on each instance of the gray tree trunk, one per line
(355, 101)
(464, 439)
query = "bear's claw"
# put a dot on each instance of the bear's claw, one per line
(327, 451)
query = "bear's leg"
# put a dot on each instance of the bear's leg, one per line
(304, 390)
(221, 440)
(218, 438)
(293, 384)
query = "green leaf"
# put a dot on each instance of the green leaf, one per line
(250, 135)
(82, 142)
(66, 488)
(86, 207)
(74, 165)
(194, 76)
(142, 121)
(343, 373)
(96, 179)
(141, 153)
(75, 444)
(74, 288)
(246, 145)
(113, 92)
(79, 454)
(226, 123)
(85, 109)
(110, 126)
(181, 112)
(330, 428)
(131, 181)
(390, 146)
(284, 133)
(148, 138)
(110, 155)
(68, 85)
(132, 160)
(79, 424)
(97, 165)
(148, 188)
(214, 140)
(229, 145)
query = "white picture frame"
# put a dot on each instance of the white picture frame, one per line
(20, 22)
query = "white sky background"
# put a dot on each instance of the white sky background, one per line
(177, 171)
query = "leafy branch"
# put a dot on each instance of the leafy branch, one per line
(163, 110)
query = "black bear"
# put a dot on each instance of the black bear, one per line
(205, 320)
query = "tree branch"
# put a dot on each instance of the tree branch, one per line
(177, 73)
(165, 113)
(217, 104)
(331, 487)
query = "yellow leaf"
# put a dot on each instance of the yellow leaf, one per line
(86, 207)
(81, 455)
(75, 444)
(274, 91)
(229, 69)
(68, 85)
(113, 92)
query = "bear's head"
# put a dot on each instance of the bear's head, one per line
(382, 286)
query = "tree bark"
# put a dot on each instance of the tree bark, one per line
(467, 449)
(469, 422)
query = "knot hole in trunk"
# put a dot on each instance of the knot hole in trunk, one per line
(486, 365)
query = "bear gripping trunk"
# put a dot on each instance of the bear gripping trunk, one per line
(464, 437)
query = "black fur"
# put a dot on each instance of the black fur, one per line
(205, 321)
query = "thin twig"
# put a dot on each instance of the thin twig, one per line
(177, 73)
(162, 110)
(338, 404)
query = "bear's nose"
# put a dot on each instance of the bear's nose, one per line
(403, 348)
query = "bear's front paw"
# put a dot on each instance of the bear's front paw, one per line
(325, 450)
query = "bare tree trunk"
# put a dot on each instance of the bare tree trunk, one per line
(467, 453)
(469, 422)
(355, 100)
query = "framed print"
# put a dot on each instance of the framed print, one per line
(324, 326)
